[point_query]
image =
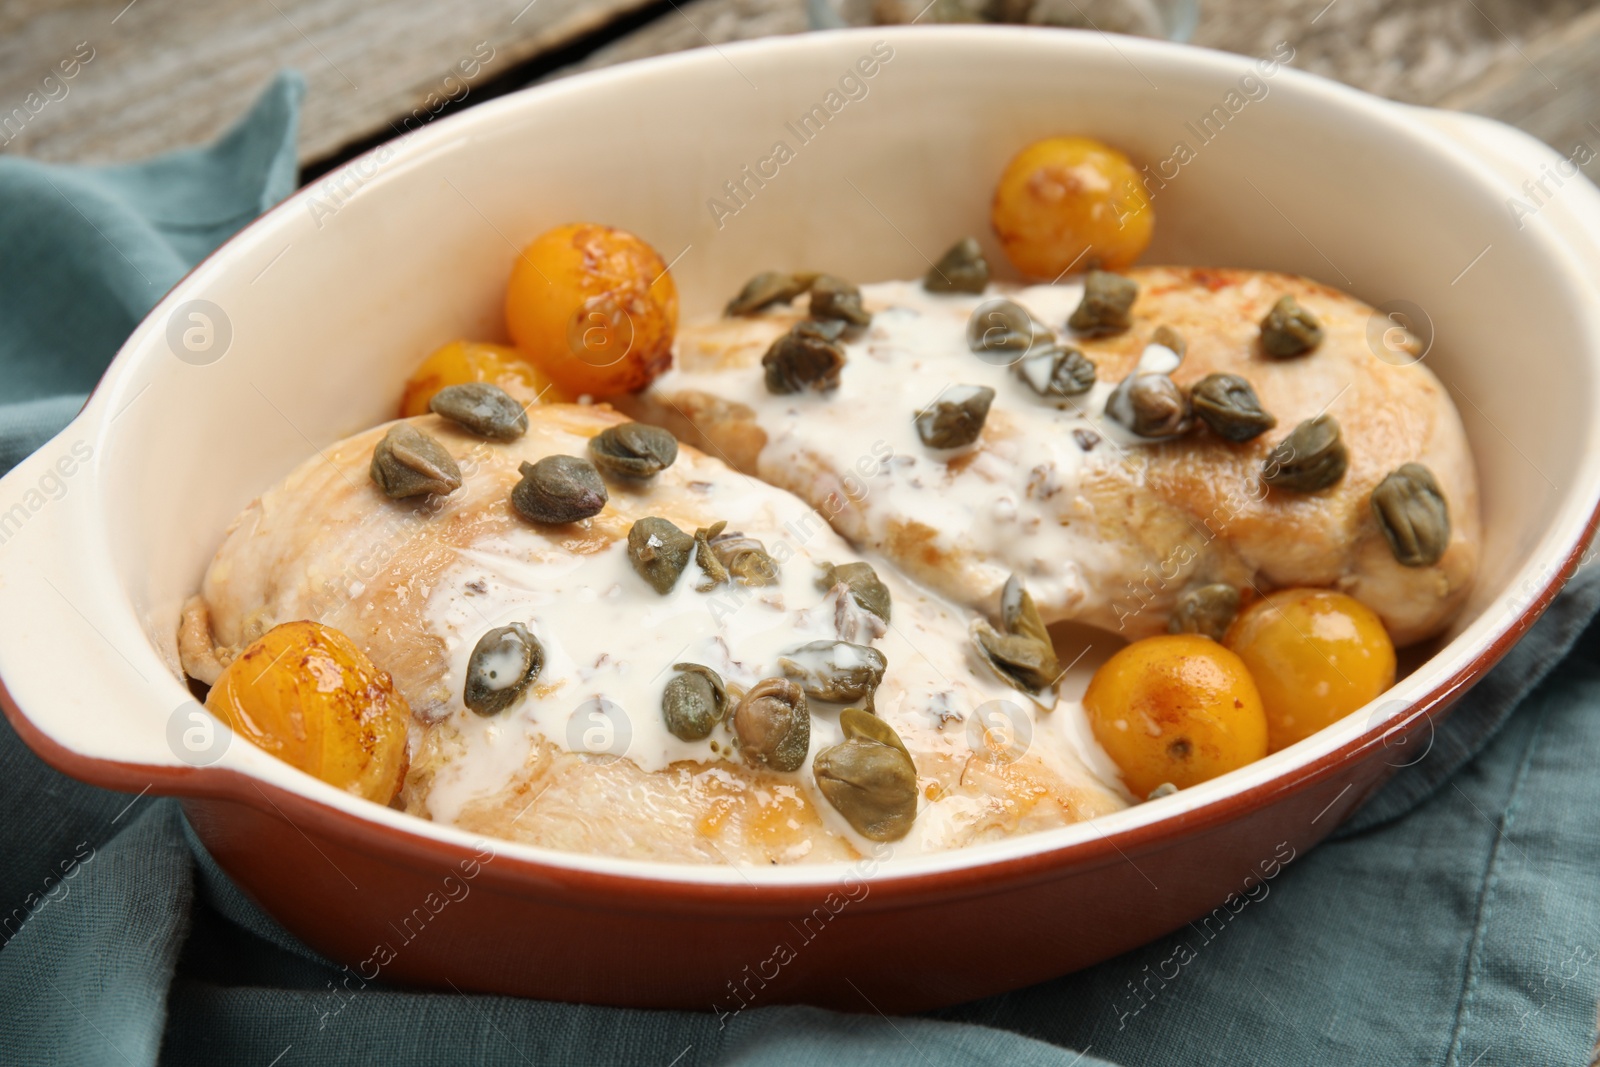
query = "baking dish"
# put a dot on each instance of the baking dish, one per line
(302, 328)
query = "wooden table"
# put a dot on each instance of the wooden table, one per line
(153, 75)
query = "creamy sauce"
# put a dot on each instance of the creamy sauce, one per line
(610, 643)
(1013, 505)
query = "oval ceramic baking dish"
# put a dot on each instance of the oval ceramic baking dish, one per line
(318, 311)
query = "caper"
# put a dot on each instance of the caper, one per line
(1003, 329)
(869, 778)
(1024, 663)
(1312, 457)
(1207, 609)
(773, 724)
(487, 410)
(504, 662)
(1227, 404)
(745, 558)
(559, 489)
(1150, 405)
(1018, 613)
(835, 298)
(1289, 329)
(407, 462)
(835, 671)
(807, 357)
(633, 450)
(1413, 515)
(659, 551)
(1056, 371)
(713, 573)
(1107, 300)
(865, 587)
(768, 288)
(956, 419)
(1021, 652)
(962, 269)
(1171, 339)
(693, 702)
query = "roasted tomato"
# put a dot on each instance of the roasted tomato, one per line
(460, 362)
(1316, 656)
(308, 695)
(594, 308)
(1176, 709)
(1071, 202)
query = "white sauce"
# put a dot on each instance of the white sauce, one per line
(1015, 506)
(610, 641)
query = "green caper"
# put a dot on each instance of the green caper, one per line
(693, 702)
(487, 410)
(1024, 663)
(768, 288)
(1001, 330)
(1207, 609)
(633, 450)
(1018, 613)
(504, 662)
(1021, 651)
(559, 489)
(773, 724)
(1150, 405)
(962, 269)
(835, 671)
(1107, 300)
(1056, 371)
(869, 778)
(659, 551)
(1289, 329)
(408, 462)
(865, 587)
(1171, 339)
(956, 419)
(809, 356)
(745, 558)
(1312, 457)
(712, 570)
(1228, 405)
(1413, 515)
(835, 298)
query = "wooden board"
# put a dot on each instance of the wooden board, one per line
(1417, 51)
(170, 73)
(1551, 89)
(164, 75)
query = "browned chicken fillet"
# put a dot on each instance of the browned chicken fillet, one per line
(1106, 529)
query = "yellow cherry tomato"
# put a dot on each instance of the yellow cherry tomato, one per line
(460, 362)
(305, 693)
(1316, 656)
(1071, 202)
(594, 308)
(1177, 708)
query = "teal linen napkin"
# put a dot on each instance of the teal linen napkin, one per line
(1455, 920)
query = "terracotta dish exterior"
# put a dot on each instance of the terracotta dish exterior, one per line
(302, 329)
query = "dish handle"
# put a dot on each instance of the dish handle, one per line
(80, 679)
(1567, 204)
